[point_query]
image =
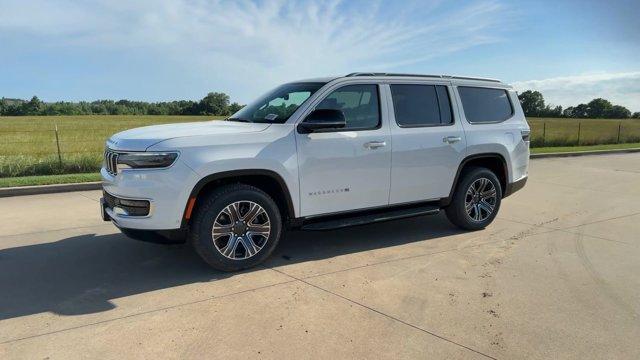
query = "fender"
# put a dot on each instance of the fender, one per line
(446, 201)
(237, 173)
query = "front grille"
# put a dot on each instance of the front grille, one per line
(111, 161)
(132, 207)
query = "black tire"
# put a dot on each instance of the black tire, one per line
(201, 227)
(456, 211)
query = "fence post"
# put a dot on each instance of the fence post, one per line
(619, 128)
(544, 133)
(579, 133)
(58, 146)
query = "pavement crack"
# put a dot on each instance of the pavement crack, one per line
(385, 315)
(146, 312)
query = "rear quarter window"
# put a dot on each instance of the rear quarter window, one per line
(485, 105)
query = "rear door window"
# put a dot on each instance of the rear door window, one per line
(485, 105)
(421, 105)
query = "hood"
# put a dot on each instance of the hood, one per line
(139, 139)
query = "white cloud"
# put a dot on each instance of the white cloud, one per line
(259, 44)
(620, 88)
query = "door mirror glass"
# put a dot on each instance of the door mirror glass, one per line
(322, 120)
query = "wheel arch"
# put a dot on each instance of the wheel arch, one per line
(493, 161)
(266, 180)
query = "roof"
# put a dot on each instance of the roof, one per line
(460, 79)
(447, 77)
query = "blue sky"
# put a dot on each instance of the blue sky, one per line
(572, 51)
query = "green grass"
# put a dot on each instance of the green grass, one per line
(564, 132)
(28, 144)
(561, 149)
(48, 179)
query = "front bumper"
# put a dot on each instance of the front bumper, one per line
(166, 191)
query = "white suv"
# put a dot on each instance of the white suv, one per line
(320, 154)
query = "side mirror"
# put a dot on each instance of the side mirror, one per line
(322, 120)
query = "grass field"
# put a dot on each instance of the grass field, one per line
(564, 132)
(28, 145)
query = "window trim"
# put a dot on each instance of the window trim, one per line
(486, 122)
(453, 119)
(377, 127)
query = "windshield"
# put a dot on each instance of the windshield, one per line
(278, 104)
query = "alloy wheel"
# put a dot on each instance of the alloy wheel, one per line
(480, 199)
(241, 230)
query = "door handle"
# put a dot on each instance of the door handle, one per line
(451, 139)
(375, 144)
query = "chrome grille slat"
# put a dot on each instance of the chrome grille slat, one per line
(111, 161)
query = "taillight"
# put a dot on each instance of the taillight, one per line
(526, 135)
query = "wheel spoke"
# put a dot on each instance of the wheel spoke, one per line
(488, 208)
(476, 215)
(250, 247)
(468, 207)
(221, 230)
(233, 211)
(488, 193)
(254, 210)
(263, 229)
(230, 249)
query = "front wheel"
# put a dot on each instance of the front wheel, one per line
(236, 227)
(476, 200)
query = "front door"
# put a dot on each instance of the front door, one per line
(349, 168)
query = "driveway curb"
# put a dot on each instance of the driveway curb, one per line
(583, 153)
(49, 189)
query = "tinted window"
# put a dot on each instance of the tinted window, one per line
(484, 104)
(359, 103)
(421, 105)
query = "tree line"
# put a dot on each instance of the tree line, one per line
(215, 103)
(534, 105)
(219, 104)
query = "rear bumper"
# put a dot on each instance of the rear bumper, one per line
(515, 186)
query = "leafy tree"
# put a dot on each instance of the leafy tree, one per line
(532, 103)
(32, 107)
(619, 112)
(234, 108)
(599, 108)
(214, 104)
(636, 115)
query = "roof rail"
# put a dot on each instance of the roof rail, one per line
(421, 75)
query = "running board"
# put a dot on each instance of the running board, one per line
(379, 216)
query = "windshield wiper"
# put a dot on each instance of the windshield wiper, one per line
(237, 119)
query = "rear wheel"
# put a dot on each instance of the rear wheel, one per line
(476, 200)
(236, 227)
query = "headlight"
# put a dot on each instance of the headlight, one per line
(146, 160)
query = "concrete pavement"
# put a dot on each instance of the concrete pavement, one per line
(555, 276)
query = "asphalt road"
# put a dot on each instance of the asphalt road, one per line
(556, 276)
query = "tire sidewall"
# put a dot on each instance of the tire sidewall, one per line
(203, 242)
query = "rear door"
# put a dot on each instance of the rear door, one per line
(346, 169)
(428, 141)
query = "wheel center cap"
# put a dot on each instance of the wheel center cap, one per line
(240, 228)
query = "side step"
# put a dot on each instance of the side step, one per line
(372, 217)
